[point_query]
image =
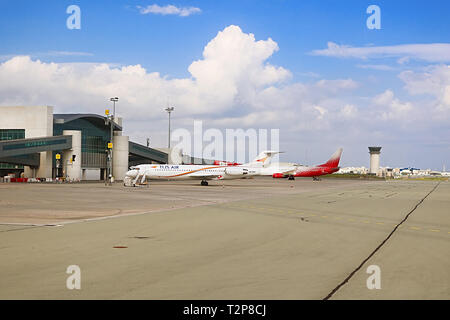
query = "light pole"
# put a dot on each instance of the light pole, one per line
(109, 122)
(169, 111)
(110, 147)
(114, 100)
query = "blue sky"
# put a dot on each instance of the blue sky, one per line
(114, 32)
(118, 34)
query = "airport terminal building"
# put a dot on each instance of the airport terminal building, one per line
(40, 144)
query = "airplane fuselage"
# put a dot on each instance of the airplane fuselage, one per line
(226, 171)
(314, 171)
(191, 172)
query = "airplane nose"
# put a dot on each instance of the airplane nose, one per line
(132, 173)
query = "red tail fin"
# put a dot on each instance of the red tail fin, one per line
(334, 160)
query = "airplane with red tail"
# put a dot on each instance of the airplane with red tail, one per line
(291, 171)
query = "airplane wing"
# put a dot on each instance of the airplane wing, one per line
(205, 175)
(286, 172)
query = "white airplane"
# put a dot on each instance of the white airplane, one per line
(140, 173)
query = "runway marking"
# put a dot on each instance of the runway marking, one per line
(381, 223)
(382, 243)
(434, 230)
(414, 228)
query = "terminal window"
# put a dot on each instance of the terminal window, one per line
(11, 134)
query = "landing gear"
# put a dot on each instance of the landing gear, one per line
(291, 178)
(204, 183)
(316, 179)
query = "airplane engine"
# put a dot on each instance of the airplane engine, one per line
(234, 171)
(278, 175)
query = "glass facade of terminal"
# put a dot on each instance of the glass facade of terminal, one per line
(94, 140)
(11, 134)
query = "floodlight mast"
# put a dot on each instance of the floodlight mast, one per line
(109, 120)
(114, 100)
(169, 111)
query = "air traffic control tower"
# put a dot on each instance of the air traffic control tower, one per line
(374, 159)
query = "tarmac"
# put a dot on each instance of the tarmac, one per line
(259, 238)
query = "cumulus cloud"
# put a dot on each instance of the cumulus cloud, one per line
(337, 84)
(432, 52)
(434, 81)
(349, 111)
(169, 10)
(233, 68)
(233, 85)
(392, 108)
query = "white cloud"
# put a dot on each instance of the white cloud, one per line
(337, 84)
(434, 81)
(349, 111)
(169, 10)
(391, 108)
(234, 70)
(321, 112)
(432, 52)
(234, 85)
(384, 98)
(379, 67)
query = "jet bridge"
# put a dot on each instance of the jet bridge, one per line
(139, 154)
(26, 151)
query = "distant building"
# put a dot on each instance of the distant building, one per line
(353, 170)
